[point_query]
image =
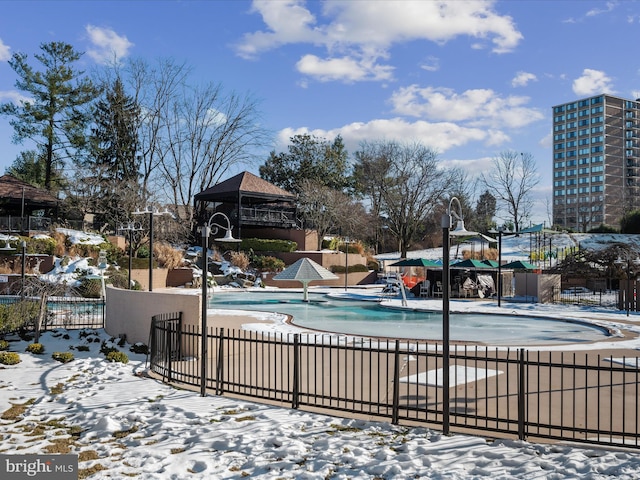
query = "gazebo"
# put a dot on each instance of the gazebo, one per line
(23, 207)
(250, 201)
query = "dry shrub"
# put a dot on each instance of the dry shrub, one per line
(486, 254)
(240, 260)
(60, 248)
(167, 256)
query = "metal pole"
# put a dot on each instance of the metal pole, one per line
(24, 266)
(130, 253)
(499, 265)
(446, 226)
(203, 354)
(151, 251)
(346, 264)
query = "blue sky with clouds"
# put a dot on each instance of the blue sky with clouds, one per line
(469, 78)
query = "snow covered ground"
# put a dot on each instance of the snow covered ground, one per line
(122, 423)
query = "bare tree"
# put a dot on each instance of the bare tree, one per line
(511, 180)
(409, 183)
(325, 209)
(206, 132)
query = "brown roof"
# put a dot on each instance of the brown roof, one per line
(13, 190)
(245, 185)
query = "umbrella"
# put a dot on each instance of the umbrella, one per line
(470, 263)
(305, 271)
(519, 265)
(416, 262)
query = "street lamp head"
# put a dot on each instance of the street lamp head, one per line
(228, 237)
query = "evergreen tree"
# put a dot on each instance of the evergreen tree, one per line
(54, 117)
(114, 161)
(308, 158)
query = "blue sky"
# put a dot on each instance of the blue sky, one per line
(470, 79)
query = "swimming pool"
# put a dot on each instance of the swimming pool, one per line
(369, 319)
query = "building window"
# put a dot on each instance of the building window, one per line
(596, 100)
(583, 123)
(597, 188)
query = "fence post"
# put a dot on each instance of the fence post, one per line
(521, 396)
(295, 401)
(168, 338)
(220, 364)
(396, 384)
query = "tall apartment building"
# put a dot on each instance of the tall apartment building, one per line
(596, 161)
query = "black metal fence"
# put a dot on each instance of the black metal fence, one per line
(578, 296)
(576, 397)
(65, 312)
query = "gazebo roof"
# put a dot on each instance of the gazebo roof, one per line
(13, 191)
(245, 185)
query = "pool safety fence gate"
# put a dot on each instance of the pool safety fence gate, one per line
(577, 397)
(62, 312)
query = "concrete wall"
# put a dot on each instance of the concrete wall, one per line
(129, 312)
(142, 276)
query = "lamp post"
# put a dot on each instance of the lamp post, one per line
(130, 229)
(152, 212)
(499, 231)
(346, 263)
(23, 244)
(447, 233)
(206, 230)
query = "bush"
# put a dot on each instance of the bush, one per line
(359, 267)
(240, 260)
(139, 348)
(90, 288)
(17, 315)
(106, 349)
(263, 245)
(9, 358)
(62, 357)
(4, 345)
(35, 348)
(119, 279)
(117, 357)
(268, 264)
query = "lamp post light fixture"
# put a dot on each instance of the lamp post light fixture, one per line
(210, 227)
(447, 233)
(130, 228)
(152, 212)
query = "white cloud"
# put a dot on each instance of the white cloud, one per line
(594, 12)
(431, 64)
(360, 33)
(344, 68)
(13, 96)
(522, 79)
(477, 107)
(5, 51)
(441, 136)
(108, 46)
(592, 82)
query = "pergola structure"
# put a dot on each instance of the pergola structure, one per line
(250, 201)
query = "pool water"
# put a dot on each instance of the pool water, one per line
(369, 319)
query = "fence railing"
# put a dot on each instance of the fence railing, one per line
(65, 312)
(602, 298)
(575, 397)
